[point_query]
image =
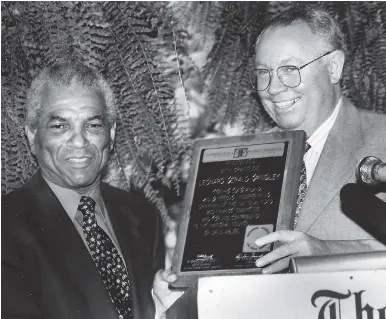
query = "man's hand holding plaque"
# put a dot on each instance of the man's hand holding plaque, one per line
(164, 297)
(293, 243)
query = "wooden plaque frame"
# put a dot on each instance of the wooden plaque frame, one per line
(230, 151)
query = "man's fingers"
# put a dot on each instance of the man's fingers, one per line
(280, 235)
(168, 259)
(278, 253)
(171, 235)
(277, 266)
(170, 244)
(168, 276)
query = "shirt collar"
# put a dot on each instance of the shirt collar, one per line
(70, 199)
(324, 129)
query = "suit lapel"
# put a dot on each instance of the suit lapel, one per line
(69, 257)
(334, 166)
(124, 223)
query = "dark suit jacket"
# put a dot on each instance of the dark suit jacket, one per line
(355, 134)
(47, 271)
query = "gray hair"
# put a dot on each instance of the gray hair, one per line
(318, 19)
(64, 75)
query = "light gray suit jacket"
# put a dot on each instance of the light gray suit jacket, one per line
(355, 134)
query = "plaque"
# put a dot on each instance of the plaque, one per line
(239, 189)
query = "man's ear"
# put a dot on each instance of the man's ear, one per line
(31, 138)
(335, 65)
(112, 135)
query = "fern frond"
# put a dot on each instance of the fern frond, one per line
(227, 91)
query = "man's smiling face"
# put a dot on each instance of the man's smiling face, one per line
(73, 140)
(306, 106)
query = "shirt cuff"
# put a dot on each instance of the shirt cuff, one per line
(159, 307)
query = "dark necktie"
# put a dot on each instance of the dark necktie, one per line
(302, 188)
(107, 259)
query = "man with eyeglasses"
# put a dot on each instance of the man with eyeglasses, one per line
(299, 61)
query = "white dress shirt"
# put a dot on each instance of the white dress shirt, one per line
(317, 141)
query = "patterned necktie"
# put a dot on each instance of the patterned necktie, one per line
(107, 259)
(302, 188)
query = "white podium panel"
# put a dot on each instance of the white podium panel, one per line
(333, 295)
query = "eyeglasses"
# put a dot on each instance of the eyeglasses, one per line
(289, 75)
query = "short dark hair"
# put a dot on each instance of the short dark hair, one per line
(65, 74)
(317, 18)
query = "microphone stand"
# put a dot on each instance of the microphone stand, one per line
(365, 209)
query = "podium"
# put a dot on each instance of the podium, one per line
(340, 286)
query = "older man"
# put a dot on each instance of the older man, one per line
(73, 247)
(299, 61)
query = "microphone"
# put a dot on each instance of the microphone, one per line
(371, 171)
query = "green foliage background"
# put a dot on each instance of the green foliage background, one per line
(178, 71)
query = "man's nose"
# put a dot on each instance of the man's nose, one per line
(78, 139)
(276, 86)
